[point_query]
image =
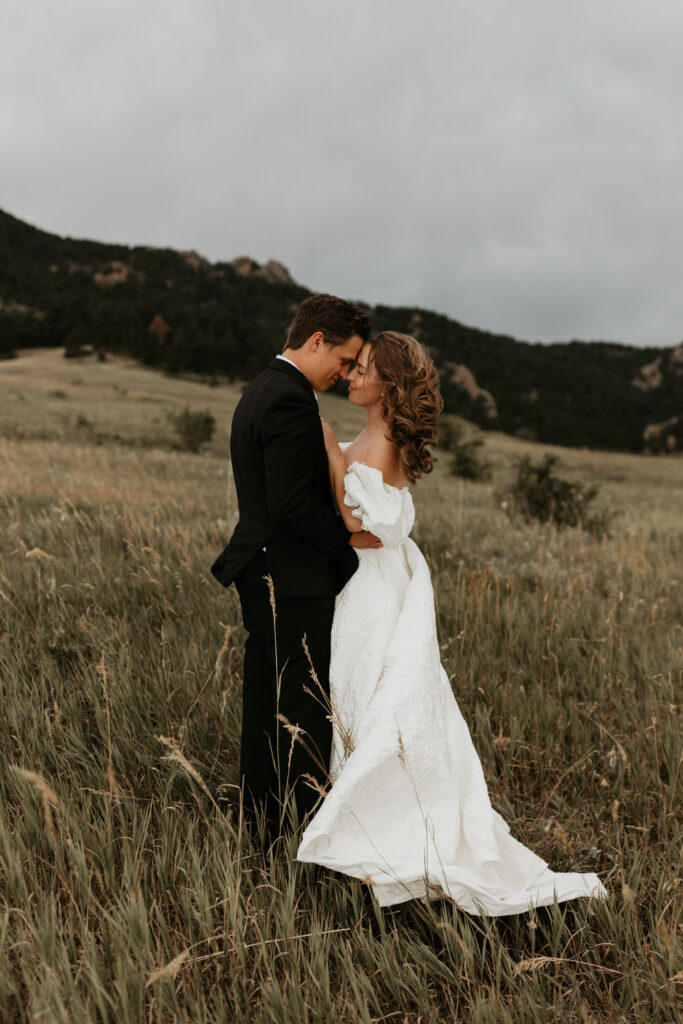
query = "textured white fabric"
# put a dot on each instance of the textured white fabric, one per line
(409, 811)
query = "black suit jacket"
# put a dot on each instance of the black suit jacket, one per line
(283, 490)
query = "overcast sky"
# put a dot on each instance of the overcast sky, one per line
(517, 164)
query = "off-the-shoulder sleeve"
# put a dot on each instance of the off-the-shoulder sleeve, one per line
(386, 511)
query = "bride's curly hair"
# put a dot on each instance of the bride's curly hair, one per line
(412, 400)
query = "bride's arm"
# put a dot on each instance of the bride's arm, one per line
(338, 467)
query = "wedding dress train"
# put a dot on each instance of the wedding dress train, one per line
(408, 811)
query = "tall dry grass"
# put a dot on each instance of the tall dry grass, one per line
(129, 890)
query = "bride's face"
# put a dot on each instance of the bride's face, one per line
(365, 387)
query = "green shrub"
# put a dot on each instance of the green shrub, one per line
(193, 428)
(538, 493)
(466, 460)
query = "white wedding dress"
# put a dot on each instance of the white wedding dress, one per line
(408, 811)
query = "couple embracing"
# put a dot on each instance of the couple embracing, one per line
(350, 728)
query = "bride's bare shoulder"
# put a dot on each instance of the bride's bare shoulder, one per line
(382, 454)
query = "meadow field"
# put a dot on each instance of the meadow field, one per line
(129, 891)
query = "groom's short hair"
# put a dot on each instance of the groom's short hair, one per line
(338, 320)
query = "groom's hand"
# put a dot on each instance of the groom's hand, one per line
(364, 539)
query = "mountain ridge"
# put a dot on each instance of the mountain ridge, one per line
(177, 310)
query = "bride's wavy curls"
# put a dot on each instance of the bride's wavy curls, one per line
(411, 396)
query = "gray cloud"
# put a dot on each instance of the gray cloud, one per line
(516, 165)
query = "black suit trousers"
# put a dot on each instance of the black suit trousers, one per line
(278, 681)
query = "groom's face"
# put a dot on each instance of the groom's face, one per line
(333, 362)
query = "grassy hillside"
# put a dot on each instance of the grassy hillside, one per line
(128, 891)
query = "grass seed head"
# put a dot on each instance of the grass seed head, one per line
(170, 970)
(47, 795)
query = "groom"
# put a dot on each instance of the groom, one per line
(289, 531)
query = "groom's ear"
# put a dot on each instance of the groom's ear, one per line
(316, 340)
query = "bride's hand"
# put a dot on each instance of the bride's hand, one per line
(363, 540)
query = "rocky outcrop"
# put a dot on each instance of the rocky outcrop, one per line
(193, 258)
(663, 437)
(649, 376)
(19, 309)
(676, 358)
(106, 275)
(652, 375)
(112, 273)
(272, 271)
(461, 375)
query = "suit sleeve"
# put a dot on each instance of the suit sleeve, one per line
(288, 433)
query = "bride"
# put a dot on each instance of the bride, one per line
(408, 811)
